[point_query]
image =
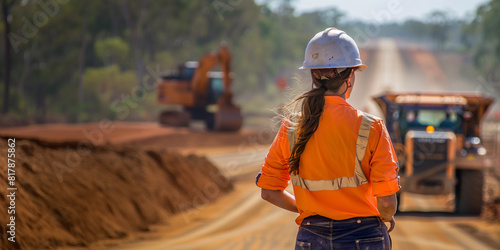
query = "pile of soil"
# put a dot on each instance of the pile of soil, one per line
(140, 133)
(71, 194)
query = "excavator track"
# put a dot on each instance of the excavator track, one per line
(175, 118)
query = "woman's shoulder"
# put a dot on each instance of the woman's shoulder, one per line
(368, 116)
(375, 121)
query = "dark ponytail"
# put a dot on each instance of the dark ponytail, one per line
(313, 102)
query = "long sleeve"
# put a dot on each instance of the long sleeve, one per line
(384, 164)
(274, 173)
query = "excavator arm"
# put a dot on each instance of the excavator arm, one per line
(228, 116)
(207, 62)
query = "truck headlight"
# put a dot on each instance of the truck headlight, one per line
(476, 140)
(481, 151)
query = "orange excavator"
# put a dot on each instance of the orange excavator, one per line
(193, 92)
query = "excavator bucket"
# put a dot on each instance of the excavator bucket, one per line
(228, 118)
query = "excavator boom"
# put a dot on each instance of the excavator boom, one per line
(207, 62)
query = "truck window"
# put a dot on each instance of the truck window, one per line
(421, 118)
(431, 117)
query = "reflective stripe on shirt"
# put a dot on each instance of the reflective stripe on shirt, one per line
(359, 177)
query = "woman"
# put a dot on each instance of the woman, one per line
(340, 160)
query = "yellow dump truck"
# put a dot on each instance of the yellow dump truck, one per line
(438, 144)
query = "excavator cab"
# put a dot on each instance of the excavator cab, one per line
(193, 92)
(185, 72)
(187, 69)
(215, 86)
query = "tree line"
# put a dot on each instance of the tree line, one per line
(79, 61)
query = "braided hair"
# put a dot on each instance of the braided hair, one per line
(313, 102)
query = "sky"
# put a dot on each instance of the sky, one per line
(390, 10)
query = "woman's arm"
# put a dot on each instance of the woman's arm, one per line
(281, 199)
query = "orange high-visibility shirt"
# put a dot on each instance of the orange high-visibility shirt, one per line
(330, 154)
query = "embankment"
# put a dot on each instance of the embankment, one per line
(71, 194)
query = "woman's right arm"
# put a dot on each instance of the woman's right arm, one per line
(281, 199)
(274, 176)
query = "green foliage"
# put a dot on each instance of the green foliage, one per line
(112, 50)
(482, 35)
(119, 41)
(103, 86)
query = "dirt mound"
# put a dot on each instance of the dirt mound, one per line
(73, 195)
(141, 133)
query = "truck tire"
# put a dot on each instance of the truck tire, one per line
(469, 192)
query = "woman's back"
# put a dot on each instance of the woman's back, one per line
(329, 165)
(340, 161)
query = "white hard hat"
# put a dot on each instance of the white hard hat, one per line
(332, 48)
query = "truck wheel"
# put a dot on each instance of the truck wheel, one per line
(469, 192)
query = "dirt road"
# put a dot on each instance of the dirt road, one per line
(242, 220)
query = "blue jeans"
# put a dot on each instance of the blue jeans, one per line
(318, 232)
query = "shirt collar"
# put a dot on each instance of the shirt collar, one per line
(335, 100)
